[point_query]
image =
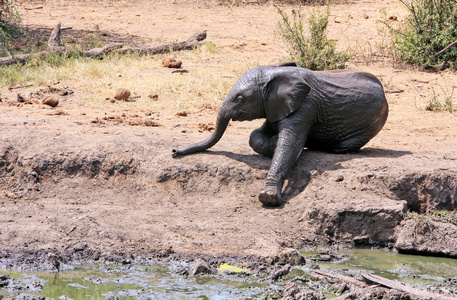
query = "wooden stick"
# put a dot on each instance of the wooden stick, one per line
(342, 278)
(445, 48)
(403, 288)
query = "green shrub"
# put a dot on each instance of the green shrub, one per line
(9, 20)
(313, 51)
(429, 28)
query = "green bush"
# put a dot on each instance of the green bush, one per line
(9, 20)
(314, 51)
(429, 28)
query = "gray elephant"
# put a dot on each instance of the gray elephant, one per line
(335, 111)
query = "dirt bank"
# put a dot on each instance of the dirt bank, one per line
(117, 187)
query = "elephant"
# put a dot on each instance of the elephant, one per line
(332, 111)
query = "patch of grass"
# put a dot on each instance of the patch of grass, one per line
(207, 47)
(444, 216)
(142, 75)
(313, 50)
(429, 28)
(436, 105)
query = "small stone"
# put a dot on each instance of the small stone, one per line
(339, 178)
(122, 94)
(170, 62)
(280, 273)
(290, 257)
(154, 97)
(52, 101)
(202, 267)
(167, 61)
(182, 113)
(176, 64)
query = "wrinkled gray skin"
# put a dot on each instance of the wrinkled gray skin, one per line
(330, 111)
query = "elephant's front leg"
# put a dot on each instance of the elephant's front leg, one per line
(291, 142)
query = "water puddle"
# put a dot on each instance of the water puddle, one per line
(101, 281)
(396, 266)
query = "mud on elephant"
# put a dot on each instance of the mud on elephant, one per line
(330, 111)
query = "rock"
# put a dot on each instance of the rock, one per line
(202, 267)
(183, 113)
(122, 94)
(52, 101)
(427, 236)
(4, 280)
(170, 62)
(20, 98)
(289, 256)
(176, 64)
(293, 291)
(280, 273)
(154, 97)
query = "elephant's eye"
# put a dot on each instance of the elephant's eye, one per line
(239, 99)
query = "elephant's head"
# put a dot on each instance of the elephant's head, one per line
(271, 92)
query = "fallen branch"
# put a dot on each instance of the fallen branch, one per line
(341, 278)
(188, 44)
(445, 48)
(396, 91)
(403, 288)
(54, 47)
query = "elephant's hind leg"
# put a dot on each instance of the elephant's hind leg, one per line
(351, 145)
(264, 140)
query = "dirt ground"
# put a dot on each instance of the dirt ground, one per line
(85, 176)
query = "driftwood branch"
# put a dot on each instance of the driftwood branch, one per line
(403, 288)
(341, 278)
(54, 47)
(188, 44)
(445, 48)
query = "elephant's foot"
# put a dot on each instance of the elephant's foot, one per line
(270, 197)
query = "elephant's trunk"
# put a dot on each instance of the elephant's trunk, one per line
(221, 124)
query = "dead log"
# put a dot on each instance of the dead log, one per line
(403, 288)
(23, 58)
(341, 278)
(96, 52)
(189, 44)
(54, 47)
(54, 38)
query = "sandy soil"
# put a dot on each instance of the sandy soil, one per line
(71, 180)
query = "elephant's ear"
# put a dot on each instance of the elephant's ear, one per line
(284, 93)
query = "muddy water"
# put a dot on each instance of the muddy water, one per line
(414, 270)
(101, 281)
(134, 282)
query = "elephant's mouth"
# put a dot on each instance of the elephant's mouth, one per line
(238, 116)
(243, 116)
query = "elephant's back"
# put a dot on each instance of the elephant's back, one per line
(352, 109)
